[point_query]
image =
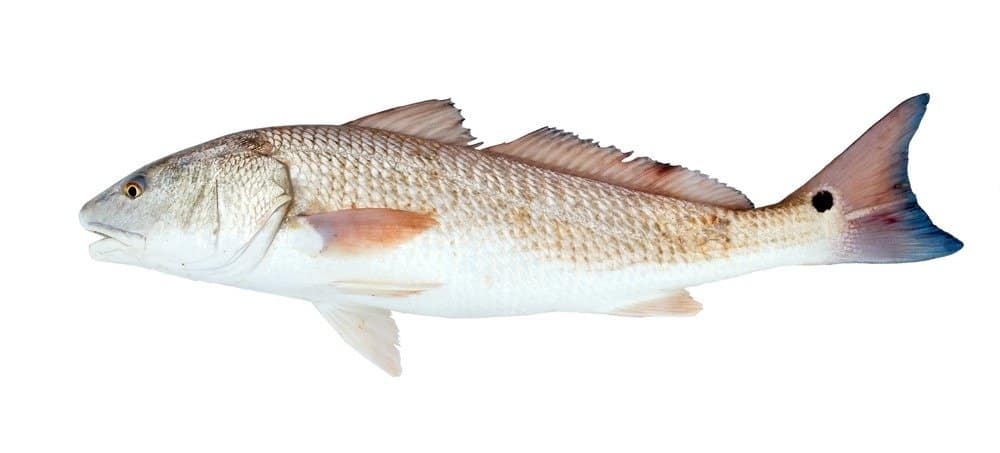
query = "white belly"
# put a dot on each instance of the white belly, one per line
(490, 279)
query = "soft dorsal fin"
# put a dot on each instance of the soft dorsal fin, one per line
(435, 119)
(566, 153)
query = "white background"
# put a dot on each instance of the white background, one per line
(102, 357)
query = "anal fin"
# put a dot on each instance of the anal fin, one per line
(370, 331)
(675, 303)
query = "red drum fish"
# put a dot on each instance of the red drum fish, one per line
(399, 211)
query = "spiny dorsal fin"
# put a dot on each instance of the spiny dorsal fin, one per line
(566, 153)
(675, 303)
(436, 119)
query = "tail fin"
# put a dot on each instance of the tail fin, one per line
(884, 223)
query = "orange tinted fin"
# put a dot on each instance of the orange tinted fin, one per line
(677, 303)
(367, 229)
(436, 119)
(868, 185)
(566, 153)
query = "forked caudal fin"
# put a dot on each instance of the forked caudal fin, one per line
(868, 185)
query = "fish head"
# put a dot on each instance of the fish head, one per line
(195, 213)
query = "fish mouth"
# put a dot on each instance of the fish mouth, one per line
(112, 239)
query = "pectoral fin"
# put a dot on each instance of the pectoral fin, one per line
(675, 303)
(367, 230)
(370, 331)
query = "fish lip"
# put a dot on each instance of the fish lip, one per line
(109, 231)
(112, 239)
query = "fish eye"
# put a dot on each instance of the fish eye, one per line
(132, 189)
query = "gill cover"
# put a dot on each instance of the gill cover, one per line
(251, 194)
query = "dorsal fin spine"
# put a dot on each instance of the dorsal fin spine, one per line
(435, 119)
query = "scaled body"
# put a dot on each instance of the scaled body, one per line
(510, 238)
(395, 212)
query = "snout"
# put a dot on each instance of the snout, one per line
(87, 213)
(114, 240)
(93, 210)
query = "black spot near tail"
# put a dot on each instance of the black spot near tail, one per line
(822, 201)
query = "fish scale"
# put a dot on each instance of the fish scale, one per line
(472, 192)
(396, 211)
